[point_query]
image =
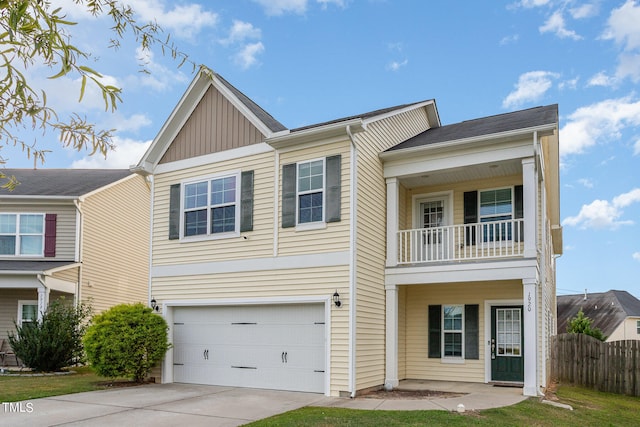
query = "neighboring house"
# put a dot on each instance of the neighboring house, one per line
(78, 234)
(615, 313)
(353, 253)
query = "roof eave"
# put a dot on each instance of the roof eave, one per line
(315, 133)
(542, 130)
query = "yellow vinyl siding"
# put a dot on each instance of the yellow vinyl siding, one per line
(68, 275)
(418, 299)
(335, 237)
(371, 241)
(65, 226)
(254, 285)
(259, 242)
(116, 244)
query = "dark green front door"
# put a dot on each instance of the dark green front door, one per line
(507, 344)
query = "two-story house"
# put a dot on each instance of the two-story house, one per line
(353, 253)
(73, 233)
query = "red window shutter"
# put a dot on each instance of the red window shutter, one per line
(50, 235)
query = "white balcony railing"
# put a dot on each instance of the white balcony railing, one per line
(463, 242)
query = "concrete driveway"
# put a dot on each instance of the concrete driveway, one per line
(156, 405)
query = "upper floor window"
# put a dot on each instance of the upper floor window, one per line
(310, 191)
(22, 234)
(210, 207)
(638, 326)
(496, 205)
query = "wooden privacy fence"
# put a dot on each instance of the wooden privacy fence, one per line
(580, 359)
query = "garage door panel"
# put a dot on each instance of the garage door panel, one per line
(265, 346)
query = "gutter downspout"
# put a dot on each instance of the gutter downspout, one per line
(79, 232)
(353, 234)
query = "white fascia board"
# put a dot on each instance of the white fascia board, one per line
(316, 133)
(430, 106)
(178, 117)
(209, 159)
(37, 199)
(420, 163)
(462, 272)
(458, 143)
(248, 301)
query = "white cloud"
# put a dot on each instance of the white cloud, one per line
(127, 152)
(622, 26)
(569, 84)
(598, 122)
(604, 214)
(602, 79)
(528, 4)
(555, 24)
(629, 66)
(636, 256)
(636, 148)
(395, 65)
(247, 57)
(280, 7)
(182, 20)
(241, 31)
(326, 3)
(586, 182)
(531, 87)
(159, 78)
(584, 11)
(513, 38)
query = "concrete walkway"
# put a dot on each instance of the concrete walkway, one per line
(197, 405)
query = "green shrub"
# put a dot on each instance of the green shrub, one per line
(127, 340)
(55, 341)
(581, 324)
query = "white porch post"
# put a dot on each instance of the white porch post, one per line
(391, 377)
(530, 319)
(392, 221)
(43, 300)
(529, 196)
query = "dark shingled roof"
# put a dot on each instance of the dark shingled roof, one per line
(266, 118)
(606, 309)
(33, 266)
(358, 116)
(522, 119)
(61, 182)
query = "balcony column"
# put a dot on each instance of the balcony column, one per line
(529, 197)
(391, 355)
(43, 301)
(393, 190)
(530, 320)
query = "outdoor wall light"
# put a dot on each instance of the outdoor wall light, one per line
(336, 299)
(154, 305)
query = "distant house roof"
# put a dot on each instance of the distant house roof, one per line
(523, 119)
(605, 309)
(61, 182)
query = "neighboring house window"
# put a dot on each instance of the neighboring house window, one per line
(453, 332)
(210, 207)
(27, 312)
(22, 234)
(312, 192)
(638, 327)
(217, 206)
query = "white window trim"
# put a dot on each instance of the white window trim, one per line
(22, 303)
(17, 235)
(452, 359)
(495, 189)
(315, 225)
(209, 235)
(447, 196)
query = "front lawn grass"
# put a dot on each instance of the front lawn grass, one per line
(14, 388)
(591, 408)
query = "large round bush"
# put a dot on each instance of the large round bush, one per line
(127, 340)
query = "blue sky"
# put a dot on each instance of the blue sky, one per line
(308, 61)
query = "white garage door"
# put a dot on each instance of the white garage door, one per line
(278, 347)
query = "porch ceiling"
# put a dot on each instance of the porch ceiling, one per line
(466, 173)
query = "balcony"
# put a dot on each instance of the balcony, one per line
(462, 242)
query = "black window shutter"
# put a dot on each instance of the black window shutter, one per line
(471, 338)
(435, 337)
(246, 201)
(174, 212)
(334, 193)
(50, 221)
(470, 215)
(289, 195)
(518, 211)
